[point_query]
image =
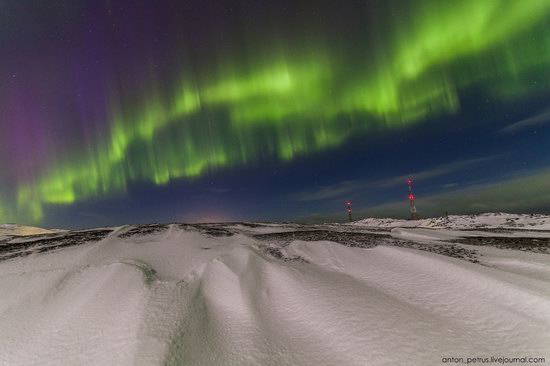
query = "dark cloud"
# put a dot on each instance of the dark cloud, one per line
(347, 188)
(537, 120)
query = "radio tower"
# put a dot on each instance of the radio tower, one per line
(349, 211)
(414, 214)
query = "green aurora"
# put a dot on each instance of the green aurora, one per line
(298, 97)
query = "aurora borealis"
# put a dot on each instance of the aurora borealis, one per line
(103, 99)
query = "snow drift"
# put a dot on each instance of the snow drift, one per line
(183, 296)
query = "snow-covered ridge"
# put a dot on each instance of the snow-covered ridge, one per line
(22, 230)
(497, 220)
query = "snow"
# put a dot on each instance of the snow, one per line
(21, 230)
(498, 220)
(183, 296)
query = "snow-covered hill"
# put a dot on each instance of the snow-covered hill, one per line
(256, 294)
(464, 222)
(22, 230)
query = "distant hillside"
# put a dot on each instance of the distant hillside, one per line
(495, 220)
(22, 230)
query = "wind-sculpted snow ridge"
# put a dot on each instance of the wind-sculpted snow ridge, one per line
(498, 220)
(267, 294)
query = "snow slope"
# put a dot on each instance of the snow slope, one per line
(496, 220)
(185, 297)
(21, 230)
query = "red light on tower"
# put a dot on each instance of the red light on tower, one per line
(349, 211)
(412, 206)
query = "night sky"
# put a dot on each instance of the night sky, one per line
(127, 111)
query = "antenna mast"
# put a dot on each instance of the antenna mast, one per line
(414, 214)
